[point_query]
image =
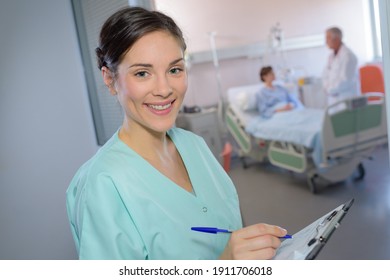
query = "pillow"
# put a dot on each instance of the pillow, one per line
(244, 97)
(246, 100)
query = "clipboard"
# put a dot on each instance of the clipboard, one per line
(308, 242)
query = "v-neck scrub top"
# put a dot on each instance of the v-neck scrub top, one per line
(121, 207)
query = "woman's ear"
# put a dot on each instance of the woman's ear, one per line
(108, 78)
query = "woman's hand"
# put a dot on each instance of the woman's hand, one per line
(255, 242)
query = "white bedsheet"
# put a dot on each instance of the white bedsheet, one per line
(302, 127)
(297, 126)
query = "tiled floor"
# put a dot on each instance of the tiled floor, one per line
(268, 194)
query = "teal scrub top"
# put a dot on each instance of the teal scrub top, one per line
(121, 207)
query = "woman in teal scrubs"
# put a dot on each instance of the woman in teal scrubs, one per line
(139, 196)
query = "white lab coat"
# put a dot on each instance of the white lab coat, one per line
(340, 76)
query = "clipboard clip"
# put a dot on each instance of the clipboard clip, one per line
(338, 215)
(332, 222)
(320, 225)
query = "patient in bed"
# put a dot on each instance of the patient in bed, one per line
(273, 98)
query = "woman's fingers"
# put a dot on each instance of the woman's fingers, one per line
(259, 230)
(258, 241)
(263, 254)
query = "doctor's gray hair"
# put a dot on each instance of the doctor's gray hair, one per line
(336, 32)
(125, 27)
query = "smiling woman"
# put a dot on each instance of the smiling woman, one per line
(147, 84)
(144, 190)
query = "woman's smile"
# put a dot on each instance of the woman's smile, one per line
(161, 108)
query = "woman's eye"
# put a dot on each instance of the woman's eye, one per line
(175, 70)
(141, 74)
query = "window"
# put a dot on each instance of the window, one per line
(376, 29)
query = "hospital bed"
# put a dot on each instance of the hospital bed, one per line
(327, 145)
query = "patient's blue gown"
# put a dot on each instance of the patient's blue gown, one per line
(268, 100)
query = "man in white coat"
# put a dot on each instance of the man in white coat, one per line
(340, 76)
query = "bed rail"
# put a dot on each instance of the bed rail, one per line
(353, 126)
(238, 131)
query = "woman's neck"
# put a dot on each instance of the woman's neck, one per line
(147, 143)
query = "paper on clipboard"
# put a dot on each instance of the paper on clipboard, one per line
(297, 248)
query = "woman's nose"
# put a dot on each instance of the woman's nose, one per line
(163, 87)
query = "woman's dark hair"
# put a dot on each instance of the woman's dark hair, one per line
(264, 71)
(122, 29)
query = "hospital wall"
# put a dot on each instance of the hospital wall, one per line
(47, 130)
(46, 127)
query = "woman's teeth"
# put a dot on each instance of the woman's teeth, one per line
(160, 107)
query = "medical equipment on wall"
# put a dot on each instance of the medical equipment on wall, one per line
(275, 54)
(329, 146)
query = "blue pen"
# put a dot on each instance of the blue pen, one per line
(214, 230)
(210, 230)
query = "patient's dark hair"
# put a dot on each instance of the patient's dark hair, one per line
(122, 29)
(264, 71)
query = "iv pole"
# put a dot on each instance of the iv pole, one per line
(276, 44)
(221, 104)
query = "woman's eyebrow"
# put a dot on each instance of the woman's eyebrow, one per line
(176, 61)
(147, 65)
